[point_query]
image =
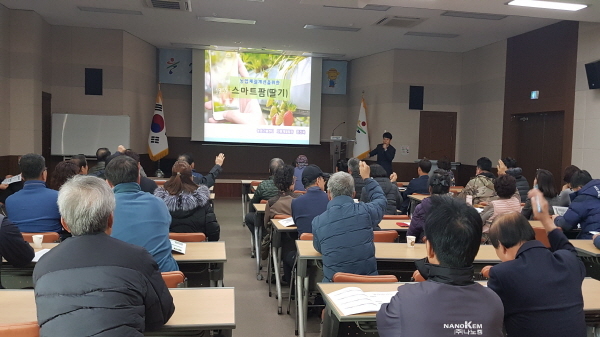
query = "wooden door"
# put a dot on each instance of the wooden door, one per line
(437, 135)
(540, 143)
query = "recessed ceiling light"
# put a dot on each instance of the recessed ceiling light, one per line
(470, 15)
(548, 5)
(227, 20)
(424, 34)
(343, 29)
(108, 10)
(379, 8)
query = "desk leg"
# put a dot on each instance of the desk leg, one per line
(331, 324)
(216, 274)
(276, 259)
(243, 205)
(257, 242)
(301, 295)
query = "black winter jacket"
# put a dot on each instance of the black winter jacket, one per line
(191, 212)
(392, 195)
(96, 285)
(522, 183)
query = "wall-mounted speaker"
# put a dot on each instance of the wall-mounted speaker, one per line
(593, 74)
(415, 97)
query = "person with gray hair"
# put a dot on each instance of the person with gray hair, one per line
(353, 169)
(343, 234)
(140, 218)
(92, 284)
(265, 191)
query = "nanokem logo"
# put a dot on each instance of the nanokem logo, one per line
(468, 328)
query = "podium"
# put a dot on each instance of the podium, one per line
(338, 148)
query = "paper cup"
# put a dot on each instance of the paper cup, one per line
(37, 241)
(410, 240)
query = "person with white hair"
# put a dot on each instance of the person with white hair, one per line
(92, 284)
(343, 234)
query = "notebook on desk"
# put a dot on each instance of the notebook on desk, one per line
(558, 210)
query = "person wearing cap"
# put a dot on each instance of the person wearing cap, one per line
(385, 153)
(304, 209)
(301, 163)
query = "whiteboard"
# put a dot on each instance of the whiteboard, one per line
(84, 134)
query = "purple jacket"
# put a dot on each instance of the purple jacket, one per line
(417, 223)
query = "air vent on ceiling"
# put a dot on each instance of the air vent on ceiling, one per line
(469, 15)
(398, 22)
(179, 5)
(378, 8)
(425, 34)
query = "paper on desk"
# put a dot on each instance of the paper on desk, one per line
(352, 300)
(479, 210)
(287, 222)
(39, 254)
(380, 297)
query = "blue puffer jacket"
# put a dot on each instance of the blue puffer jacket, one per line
(343, 234)
(584, 210)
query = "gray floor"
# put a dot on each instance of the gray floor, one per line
(256, 312)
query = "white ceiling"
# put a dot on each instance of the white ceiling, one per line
(280, 23)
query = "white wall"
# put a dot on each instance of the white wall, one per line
(586, 137)
(479, 131)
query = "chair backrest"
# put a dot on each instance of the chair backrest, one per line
(49, 237)
(263, 201)
(281, 216)
(395, 217)
(28, 329)
(385, 236)
(254, 184)
(300, 192)
(160, 182)
(417, 277)
(173, 279)
(347, 277)
(188, 237)
(541, 236)
(306, 236)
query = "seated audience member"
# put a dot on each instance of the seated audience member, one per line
(390, 189)
(508, 201)
(417, 185)
(539, 287)
(353, 169)
(139, 218)
(341, 165)
(265, 191)
(301, 163)
(34, 207)
(281, 204)
(509, 166)
(446, 165)
(585, 206)
(481, 188)
(92, 284)
(385, 153)
(81, 162)
(62, 172)
(343, 234)
(211, 177)
(543, 181)
(305, 208)
(439, 184)
(564, 195)
(13, 248)
(449, 303)
(313, 203)
(101, 155)
(188, 203)
(146, 184)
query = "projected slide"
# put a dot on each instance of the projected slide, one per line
(256, 98)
